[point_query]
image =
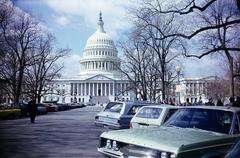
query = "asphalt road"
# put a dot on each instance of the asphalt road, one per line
(63, 134)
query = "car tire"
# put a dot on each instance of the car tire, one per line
(11, 116)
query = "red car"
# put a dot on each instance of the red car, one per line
(51, 107)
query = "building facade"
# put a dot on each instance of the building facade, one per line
(99, 79)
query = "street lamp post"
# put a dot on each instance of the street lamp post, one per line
(178, 69)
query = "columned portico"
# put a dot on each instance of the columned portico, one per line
(98, 80)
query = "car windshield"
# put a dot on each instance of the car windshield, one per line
(149, 112)
(206, 119)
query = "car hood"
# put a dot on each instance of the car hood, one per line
(169, 138)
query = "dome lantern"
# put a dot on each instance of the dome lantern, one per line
(100, 23)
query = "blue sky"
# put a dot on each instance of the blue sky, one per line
(74, 21)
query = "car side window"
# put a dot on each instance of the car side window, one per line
(134, 109)
(116, 108)
(144, 113)
(149, 112)
(109, 105)
(155, 113)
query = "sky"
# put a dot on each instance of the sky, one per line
(74, 21)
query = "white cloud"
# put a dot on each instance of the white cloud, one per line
(71, 66)
(61, 20)
(112, 11)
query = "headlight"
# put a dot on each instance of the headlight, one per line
(164, 155)
(115, 146)
(112, 145)
(167, 155)
(172, 156)
(108, 144)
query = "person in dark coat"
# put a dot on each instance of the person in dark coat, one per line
(219, 102)
(210, 102)
(236, 103)
(32, 109)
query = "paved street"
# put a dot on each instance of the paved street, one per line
(70, 134)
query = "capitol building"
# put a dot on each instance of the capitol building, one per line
(99, 79)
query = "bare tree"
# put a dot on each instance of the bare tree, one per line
(210, 26)
(136, 62)
(28, 52)
(18, 35)
(217, 88)
(153, 58)
(44, 66)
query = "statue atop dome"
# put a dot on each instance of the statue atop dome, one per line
(100, 16)
(100, 24)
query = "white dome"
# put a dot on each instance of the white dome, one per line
(99, 38)
(100, 55)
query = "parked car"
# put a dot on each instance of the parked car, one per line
(194, 131)
(41, 109)
(117, 115)
(88, 103)
(22, 106)
(51, 107)
(152, 116)
(234, 151)
(6, 112)
(62, 106)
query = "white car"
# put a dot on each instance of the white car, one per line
(152, 116)
(117, 115)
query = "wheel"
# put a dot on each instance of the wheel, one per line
(11, 116)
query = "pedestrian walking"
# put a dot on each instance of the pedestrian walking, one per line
(32, 109)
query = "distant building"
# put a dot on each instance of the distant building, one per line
(200, 88)
(99, 80)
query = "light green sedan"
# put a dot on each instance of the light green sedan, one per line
(191, 132)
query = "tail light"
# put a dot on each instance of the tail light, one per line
(96, 117)
(130, 125)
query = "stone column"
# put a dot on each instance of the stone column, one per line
(69, 88)
(113, 89)
(89, 86)
(97, 89)
(77, 89)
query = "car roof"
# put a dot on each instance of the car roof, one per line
(225, 108)
(164, 106)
